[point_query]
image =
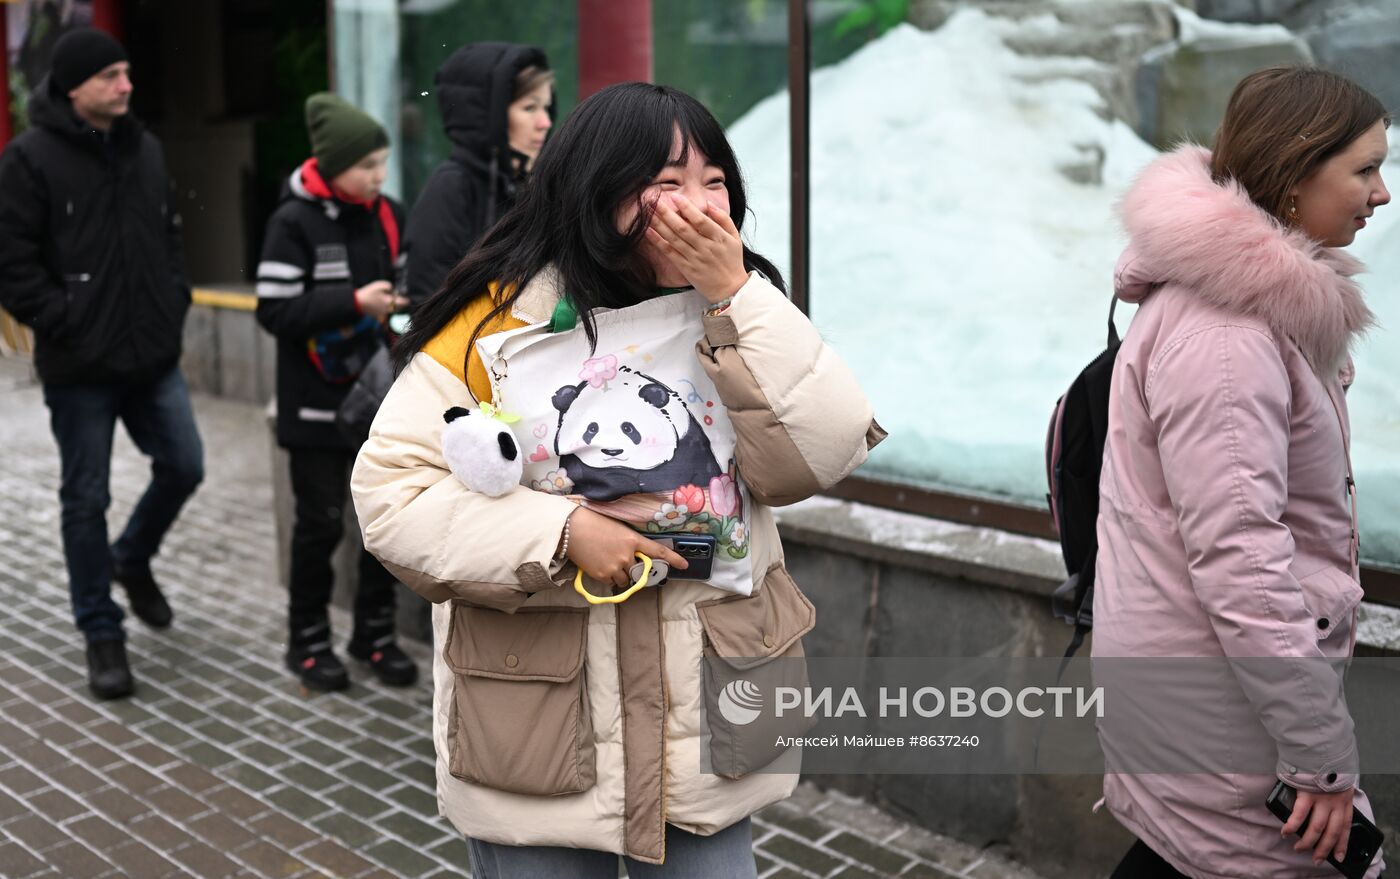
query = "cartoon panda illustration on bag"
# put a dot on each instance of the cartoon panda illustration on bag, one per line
(629, 435)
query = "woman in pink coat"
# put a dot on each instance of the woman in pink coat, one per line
(1227, 522)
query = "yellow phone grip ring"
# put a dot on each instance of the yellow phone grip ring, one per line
(615, 599)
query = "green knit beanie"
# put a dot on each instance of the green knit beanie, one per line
(341, 133)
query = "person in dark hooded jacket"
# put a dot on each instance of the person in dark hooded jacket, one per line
(327, 282)
(496, 101)
(90, 258)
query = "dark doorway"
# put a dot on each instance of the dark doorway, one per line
(221, 83)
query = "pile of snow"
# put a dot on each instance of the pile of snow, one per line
(1206, 34)
(966, 278)
(962, 275)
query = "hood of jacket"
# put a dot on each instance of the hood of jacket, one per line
(307, 184)
(55, 113)
(475, 87)
(296, 188)
(1186, 229)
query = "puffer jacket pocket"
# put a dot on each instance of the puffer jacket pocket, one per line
(1331, 595)
(753, 645)
(81, 290)
(519, 719)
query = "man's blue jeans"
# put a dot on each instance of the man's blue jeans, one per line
(159, 420)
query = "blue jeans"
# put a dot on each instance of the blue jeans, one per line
(159, 419)
(727, 854)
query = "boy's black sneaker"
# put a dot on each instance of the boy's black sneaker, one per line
(144, 596)
(109, 675)
(320, 669)
(389, 663)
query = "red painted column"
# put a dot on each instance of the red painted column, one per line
(5, 132)
(107, 16)
(614, 43)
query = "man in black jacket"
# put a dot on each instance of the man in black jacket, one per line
(90, 258)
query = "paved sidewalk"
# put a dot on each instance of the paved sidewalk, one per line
(220, 765)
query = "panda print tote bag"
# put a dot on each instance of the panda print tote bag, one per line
(633, 428)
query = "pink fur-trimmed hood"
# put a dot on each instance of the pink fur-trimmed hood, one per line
(1186, 229)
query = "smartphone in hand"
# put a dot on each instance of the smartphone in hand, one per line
(697, 549)
(1363, 843)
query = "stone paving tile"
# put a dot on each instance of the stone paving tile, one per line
(290, 834)
(852, 872)
(97, 832)
(55, 805)
(868, 853)
(415, 800)
(404, 860)
(310, 778)
(252, 777)
(320, 753)
(35, 832)
(220, 765)
(366, 776)
(297, 802)
(425, 774)
(137, 859)
(803, 855)
(930, 846)
(266, 859)
(335, 858)
(204, 860)
(793, 822)
(16, 861)
(412, 829)
(221, 831)
(76, 859)
(348, 828)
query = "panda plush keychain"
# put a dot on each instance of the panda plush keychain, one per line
(482, 452)
(480, 449)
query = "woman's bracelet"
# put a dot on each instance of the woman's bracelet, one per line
(719, 307)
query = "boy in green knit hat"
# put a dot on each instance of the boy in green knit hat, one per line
(329, 278)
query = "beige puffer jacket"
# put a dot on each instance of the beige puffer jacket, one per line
(557, 723)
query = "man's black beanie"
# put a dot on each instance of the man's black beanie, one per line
(81, 54)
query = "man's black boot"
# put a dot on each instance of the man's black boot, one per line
(145, 597)
(109, 675)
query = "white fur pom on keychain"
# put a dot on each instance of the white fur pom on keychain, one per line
(481, 451)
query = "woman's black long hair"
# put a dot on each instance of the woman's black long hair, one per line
(608, 150)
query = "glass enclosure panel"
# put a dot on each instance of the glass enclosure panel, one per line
(964, 170)
(965, 163)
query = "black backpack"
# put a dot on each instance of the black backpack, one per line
(1073, 459)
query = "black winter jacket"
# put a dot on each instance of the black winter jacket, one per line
(316, 253)
(470, 191)
(90, 253)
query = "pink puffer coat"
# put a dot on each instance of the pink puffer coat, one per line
(1227, 525)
